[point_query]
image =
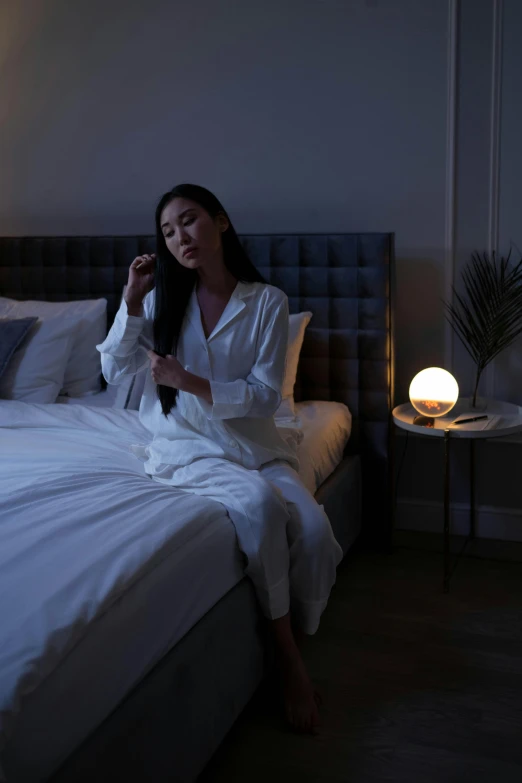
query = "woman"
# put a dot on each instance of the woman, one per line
(220, 338)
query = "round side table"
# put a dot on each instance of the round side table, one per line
(505, 418)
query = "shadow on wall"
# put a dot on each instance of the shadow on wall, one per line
(419, 319)
(508, 374)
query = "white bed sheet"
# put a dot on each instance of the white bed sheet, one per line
(123, 550)
(93, 558)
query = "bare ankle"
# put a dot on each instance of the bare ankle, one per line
(286, 648)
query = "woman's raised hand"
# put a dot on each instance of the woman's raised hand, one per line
(141, 278)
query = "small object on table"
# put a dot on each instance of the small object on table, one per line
(424, 421)
(467, 421)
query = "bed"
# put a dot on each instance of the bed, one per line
(117, 691)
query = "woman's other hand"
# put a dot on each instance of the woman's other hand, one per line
(166, 371)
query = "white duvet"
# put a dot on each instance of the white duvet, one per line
(79, 524)
(82, 528)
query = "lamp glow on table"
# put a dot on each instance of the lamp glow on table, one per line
(433, 393)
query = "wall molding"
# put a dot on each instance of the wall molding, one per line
(504, 524)
(451, 171)
(494, 151)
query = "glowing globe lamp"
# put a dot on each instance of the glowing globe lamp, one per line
(433, 393)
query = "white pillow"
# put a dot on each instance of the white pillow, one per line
(83, 370)
(35, 371)
(296, 333)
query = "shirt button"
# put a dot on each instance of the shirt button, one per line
(232, 442)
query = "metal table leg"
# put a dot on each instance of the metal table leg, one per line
(446, 510)
(448, 571)
(472, 518)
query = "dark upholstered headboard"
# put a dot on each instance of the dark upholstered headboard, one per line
(344, 279)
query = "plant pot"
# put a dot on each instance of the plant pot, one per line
(480, 405)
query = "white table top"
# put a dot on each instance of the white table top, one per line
(508, 423)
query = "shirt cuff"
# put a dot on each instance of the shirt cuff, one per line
(228, 400)
(124, 328)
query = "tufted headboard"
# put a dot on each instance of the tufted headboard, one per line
(344, 279)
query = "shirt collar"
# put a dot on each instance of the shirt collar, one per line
(234, 306)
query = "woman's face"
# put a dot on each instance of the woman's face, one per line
(191, 234)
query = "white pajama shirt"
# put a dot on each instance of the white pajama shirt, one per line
(231, 450)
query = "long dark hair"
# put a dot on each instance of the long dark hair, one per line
(174, 283)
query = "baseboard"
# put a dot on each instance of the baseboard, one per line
(502, 524)
(484, 548)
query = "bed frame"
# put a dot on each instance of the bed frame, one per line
(170, 724)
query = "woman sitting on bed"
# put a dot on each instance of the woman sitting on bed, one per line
(220, 338)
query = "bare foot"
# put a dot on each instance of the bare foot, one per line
(301, 700)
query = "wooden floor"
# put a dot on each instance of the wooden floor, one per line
(418, 686)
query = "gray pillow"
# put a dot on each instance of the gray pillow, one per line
(12, 332)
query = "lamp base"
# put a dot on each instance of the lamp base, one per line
(424, 421)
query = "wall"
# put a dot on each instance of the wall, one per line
(487, 215)
(508, 367)
(302, 115)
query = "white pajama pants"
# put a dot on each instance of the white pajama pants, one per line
(285, 535)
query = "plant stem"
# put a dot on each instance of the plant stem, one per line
(477, 379)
